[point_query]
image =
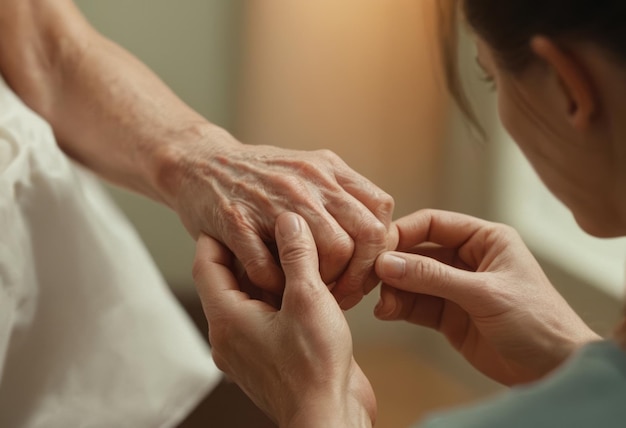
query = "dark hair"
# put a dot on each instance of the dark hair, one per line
(509, 25)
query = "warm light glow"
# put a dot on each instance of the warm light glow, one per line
(355, 77)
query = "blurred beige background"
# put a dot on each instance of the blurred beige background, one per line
(359, 78)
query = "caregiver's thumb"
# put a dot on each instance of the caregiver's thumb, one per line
(298, 257)
(420, 274)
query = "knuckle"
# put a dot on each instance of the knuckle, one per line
(428, 213)
(309, 169)
(295, 190)
(427, 271)
(509, 231)
(341, 247)
(295, 252)
(500, 233)
(373, 234)
(292, 184)
(328, 155)
(386, 206)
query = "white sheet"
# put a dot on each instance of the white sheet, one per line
(90, 335)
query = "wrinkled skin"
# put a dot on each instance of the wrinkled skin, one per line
(235, 194)
(112, 114)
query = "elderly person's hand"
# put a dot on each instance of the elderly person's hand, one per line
(110, 113)
(478, 284)
(234, 193)
(295, 362)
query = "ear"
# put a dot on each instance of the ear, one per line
(582, 102)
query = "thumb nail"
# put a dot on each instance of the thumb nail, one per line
(289, 225)
(393, 266)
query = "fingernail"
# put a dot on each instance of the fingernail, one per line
(393, 266)
(289, 225)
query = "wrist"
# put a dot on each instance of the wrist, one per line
(332, 411)
(186, 149)
(580, 338)
(585, 337)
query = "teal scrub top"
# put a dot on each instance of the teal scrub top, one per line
(588, 391)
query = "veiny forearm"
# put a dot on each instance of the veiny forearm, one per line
(107, 109)
(115, 116)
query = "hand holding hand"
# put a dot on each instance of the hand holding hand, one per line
(478, 284)
(295, 362)
(235, 192)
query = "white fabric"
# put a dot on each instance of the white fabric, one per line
(90, 335)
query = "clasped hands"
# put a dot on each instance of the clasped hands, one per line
(473, 281)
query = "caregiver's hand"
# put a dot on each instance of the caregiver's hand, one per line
(478, 284)
(234, 192)
(295, 362)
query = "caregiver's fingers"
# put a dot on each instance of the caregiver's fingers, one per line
(213, 275)
(449, 256)
(423, 275)
(420, 309)
(448, 229)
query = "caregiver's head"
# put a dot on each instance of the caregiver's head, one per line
(560, 71)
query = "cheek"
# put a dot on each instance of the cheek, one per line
(525, 130)
(546, 151)
(515, 123)
(525, 124)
